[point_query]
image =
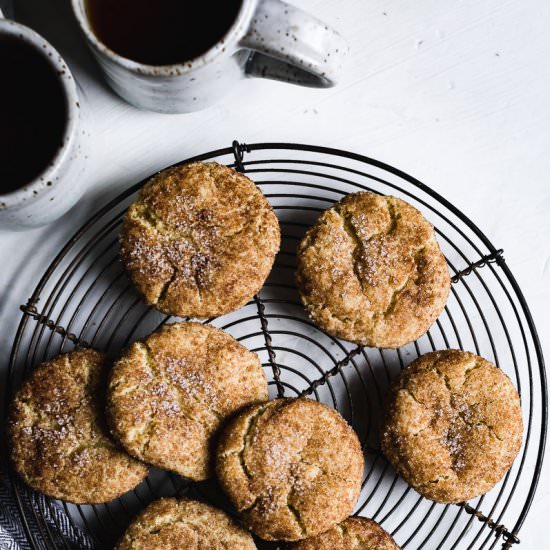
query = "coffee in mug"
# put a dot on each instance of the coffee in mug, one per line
(161, 32)
(33, 113)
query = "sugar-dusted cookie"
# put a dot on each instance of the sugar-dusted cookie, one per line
(453, 425)
(199, 240)
(371, 271)
(59, 439)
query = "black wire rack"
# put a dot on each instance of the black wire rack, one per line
(84, 299)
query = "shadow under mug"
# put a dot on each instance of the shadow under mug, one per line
(60, 184)
(268, 39)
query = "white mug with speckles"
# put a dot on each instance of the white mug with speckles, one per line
(54, 191)
(268, 39)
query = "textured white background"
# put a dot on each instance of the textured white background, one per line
(454, 92)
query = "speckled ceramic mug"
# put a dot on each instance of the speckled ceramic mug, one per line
(268, 39)
(55, 190)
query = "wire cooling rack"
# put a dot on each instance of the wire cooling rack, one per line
(84, 299)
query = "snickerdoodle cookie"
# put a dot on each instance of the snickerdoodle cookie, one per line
(169, 393)
(453, 425)
(370, 270)
(199, 240)
(353, 533)
(293, 467)
(184, 524)
(59, 440)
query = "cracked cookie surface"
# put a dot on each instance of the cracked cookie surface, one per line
(371, 271)
(453, 425)
(184, 524)
(199, 241)
(169, 393)
(59, 440)
(354, 533)
(292, 467)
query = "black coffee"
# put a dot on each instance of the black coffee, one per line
(33, 114)
(161, 32)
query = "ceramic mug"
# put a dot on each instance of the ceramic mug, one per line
(59, 186)
(269, 39)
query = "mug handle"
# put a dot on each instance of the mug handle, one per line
(293, 46)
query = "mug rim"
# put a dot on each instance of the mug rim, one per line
(233, 34)
(46, 178)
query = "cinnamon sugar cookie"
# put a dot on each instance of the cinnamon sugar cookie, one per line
(184, 524)
(59, 441)
(453, 425)
(169, 393)
(354, 533)
(292, 467)
(199, 240)
(371, 271)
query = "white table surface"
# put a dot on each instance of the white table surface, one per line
(454, 92)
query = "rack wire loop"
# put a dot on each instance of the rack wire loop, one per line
(493, 258)
(332, 372)
(31, 310)
(239, 149)
(499, 529)
(269, 346)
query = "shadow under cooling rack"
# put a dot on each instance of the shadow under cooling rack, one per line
(84, 299)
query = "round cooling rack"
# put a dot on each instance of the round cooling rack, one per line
(84, 299)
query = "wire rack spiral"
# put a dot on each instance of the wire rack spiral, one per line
(84, 299)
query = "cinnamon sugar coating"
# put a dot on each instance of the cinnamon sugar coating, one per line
(371, 271)
(184, 524)
(169, 393)
(199, 241)
(354, 533)
(59, 440)
(292, 467)
(453, 425)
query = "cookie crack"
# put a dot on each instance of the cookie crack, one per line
(397, 292)
(172, 386)
(166, 285)
(157, 528)
(491, 428)
(360, 243)
(312, 306)
(446, 380)
(150, 427)
(468, 371)
(254, 502)
(256, 220)
(411, 393)
(253, 421)
(297, 515)
(293, 509)
(326, 472)
(350, 230)
(394, 215)
(341, 528)
(435, 480)
(148, 217)
(90, 445)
